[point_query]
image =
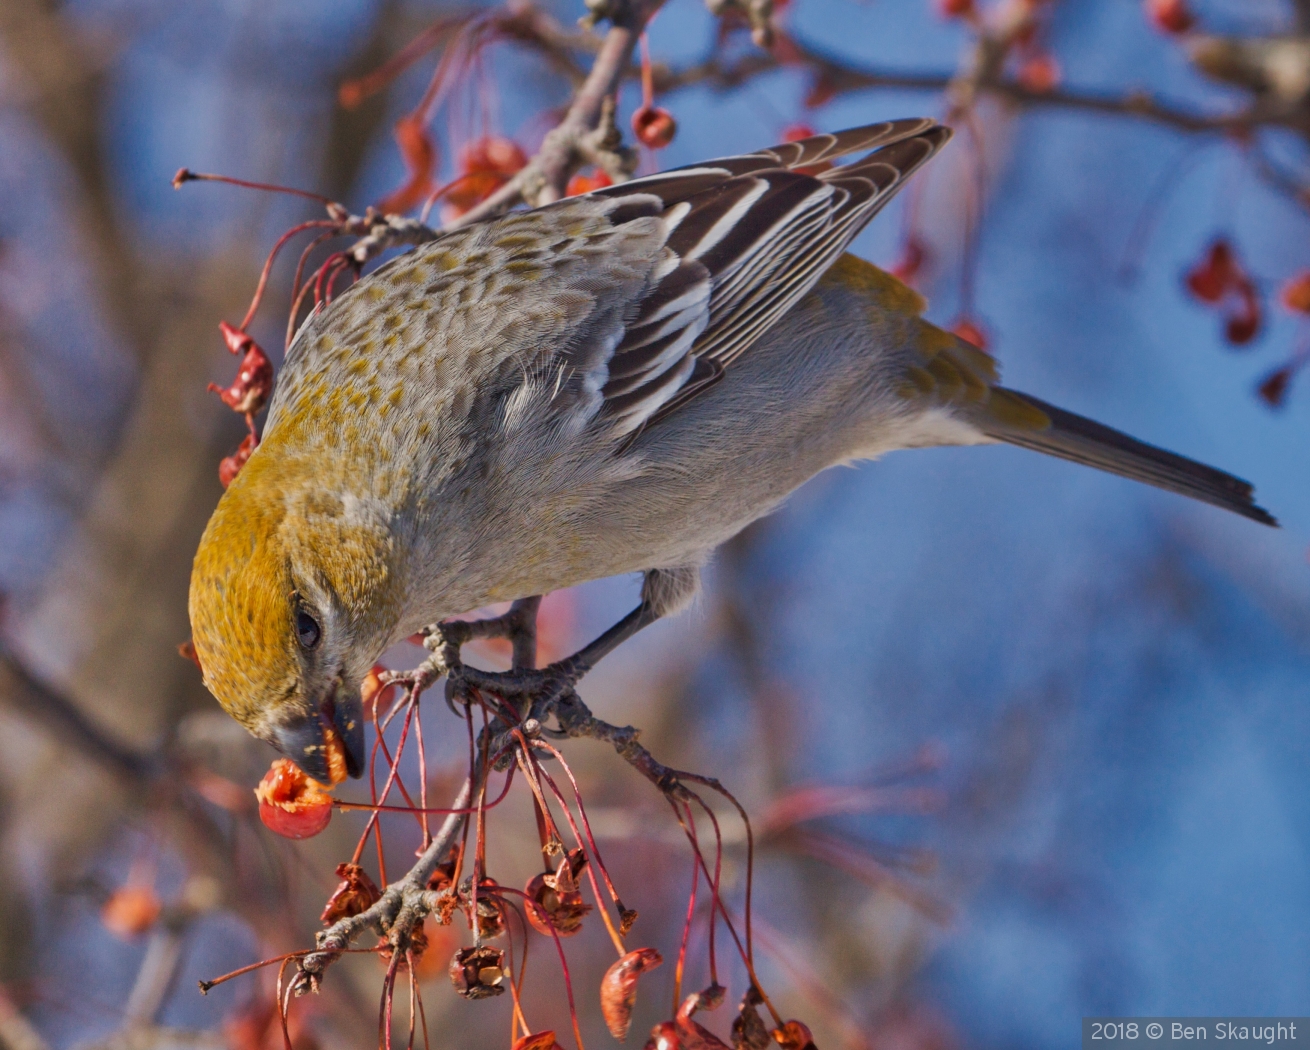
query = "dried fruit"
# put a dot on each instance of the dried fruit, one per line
(187, 650)
(485, 165)
(579, 184)
(130, 910)
(1296, 293)
(794, 1035)
(554, 899)
(690, 1034)
(1242, 323)
(664, 1036)
(254, 381)
(420, 157)
(1219, 279)
(654, 126)
(618, 989)
(292, 804)
(748, 1030)
(1170, 16)
(1212, 278)
(537, 1041)
(491, 913)
(478, 972)
(230, 466)
(1273, 388)
(354, 894)
(442, 877)
(417, 945)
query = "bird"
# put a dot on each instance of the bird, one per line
(612, 383)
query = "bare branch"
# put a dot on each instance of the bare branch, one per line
(565, 147)
(64, 720)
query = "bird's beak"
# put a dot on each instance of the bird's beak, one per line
(306, 738)
(347, 715)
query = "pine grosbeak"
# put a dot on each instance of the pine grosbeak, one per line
(614, 383)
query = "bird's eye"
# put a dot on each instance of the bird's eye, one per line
(308, 632)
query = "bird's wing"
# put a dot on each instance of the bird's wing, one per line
(619, 305)
(747, 237)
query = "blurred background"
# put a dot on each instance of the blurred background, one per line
(1065, 718)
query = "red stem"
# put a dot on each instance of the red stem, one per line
(268, 264)
(686, 935)
(187, 175)
(582, 812)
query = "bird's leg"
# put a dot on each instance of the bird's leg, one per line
(528, 686)
(663, 591)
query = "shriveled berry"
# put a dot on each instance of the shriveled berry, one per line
(537, 1041)
(618, 989)
(230, 466)
(253, 384)
(355, 893)
(555, 902)
(485, 165)
(478, 972)
(793, 1035)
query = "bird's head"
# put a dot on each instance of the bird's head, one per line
(292, 600)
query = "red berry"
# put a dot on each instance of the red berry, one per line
(654, 126)
(579, 184)
(1296, 293)
(485, 164)
(292, 804)
(1170, 16)
(130, 910)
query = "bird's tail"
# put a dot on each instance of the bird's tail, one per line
(1073, 437)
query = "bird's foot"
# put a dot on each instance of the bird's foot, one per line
(527, 691)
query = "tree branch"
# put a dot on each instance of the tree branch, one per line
(65, 722)
(565, 147)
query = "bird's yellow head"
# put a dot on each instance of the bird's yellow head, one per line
(293, 598)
